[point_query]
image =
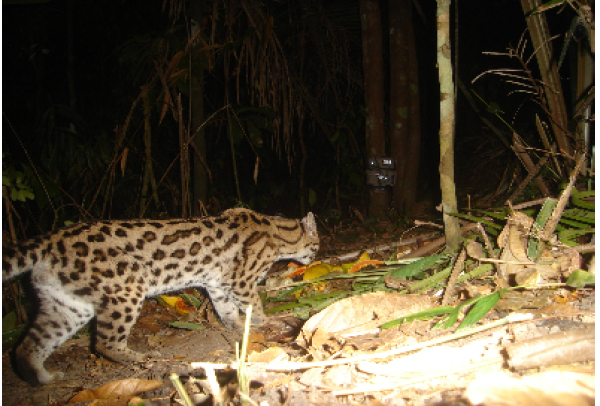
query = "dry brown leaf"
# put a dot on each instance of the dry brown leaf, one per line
(124, 388)
(362, 313)
(320, 337)
(268, 355)
(256, 343)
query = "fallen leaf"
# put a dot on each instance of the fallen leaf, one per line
(316, 271)
(124, 388)
(300, 270)
(363, 313)
(256, 343)
(268, 355)
(187, 325)
(361, 264)
(178, 303)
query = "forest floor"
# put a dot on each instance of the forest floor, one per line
(437, 375)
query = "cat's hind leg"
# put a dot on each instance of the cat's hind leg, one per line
(61, 315)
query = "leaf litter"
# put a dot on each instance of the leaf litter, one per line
(374, 333)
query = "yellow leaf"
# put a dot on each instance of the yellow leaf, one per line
(300, 270)
(364, 257)
(170, 300)
(348, 266)
(317, 271)
(178, 303)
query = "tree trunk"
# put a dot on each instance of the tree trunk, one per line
(374, 95)
(405, 125)
(399, 98)
(540, 36)
(200, 178)
(414, 121)
(444, 52)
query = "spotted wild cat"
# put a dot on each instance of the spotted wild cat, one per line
(106, 269)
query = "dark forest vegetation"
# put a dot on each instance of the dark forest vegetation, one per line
(192, 107)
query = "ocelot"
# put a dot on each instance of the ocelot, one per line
(106, 269)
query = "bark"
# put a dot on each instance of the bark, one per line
(405, 124)
(184, 158)
(200, 177)
(399, 94)
(414, 120)
(374, 95)
(448, 188)
(557, 111)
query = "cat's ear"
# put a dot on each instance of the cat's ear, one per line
(309, 224)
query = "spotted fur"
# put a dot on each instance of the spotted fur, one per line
(106, 269)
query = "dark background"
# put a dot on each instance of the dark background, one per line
(108, 72)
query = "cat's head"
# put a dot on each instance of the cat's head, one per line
(302, 244)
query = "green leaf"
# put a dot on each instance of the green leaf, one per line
(9, 322)
(481, 269)
(327, 302)
(287, 306)
(494, 108)
(288, 292)
(418, 266)
(572, 223)
(581, 278)
(432, 281)
(500, 215)
(10, 331)
(27, 194)
(449, 320)
(186, 326)
(477, 220)
(568, 236)
(535, 246)
(11, 337)
(302, 313)
(480, 309)
(192, 300)
(424, 315)
(581, 219)
(577, 198)
(317, 300)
